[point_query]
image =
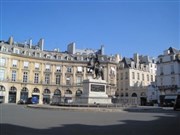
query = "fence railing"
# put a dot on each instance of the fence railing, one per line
(81, 101)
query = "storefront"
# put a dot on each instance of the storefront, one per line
(35, 94)
(46, 96)
(24, 94)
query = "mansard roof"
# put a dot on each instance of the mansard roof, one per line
(173, 50)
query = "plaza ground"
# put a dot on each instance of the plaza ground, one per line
(22, 120)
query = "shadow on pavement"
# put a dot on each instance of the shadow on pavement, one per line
(163, 125)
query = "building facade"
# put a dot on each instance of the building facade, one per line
(168, 72)
(27, 70)
(133, 77)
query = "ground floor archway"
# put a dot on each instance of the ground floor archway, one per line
(46, 96)
(56, 99)
(2, 94)
(24, 94)
(12, 95)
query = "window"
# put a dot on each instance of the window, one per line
(58, 79)
(121, 85)
(79, 80)
(121, 76)
(47, 78)
(143, 77)
(68, 81)
(172, 69)
(161, 79)
(14, 64)
(36, 66)
(79, 69)
(151, 78)
(2, 61)
(126, 75)
(25, 76)
(16, 51)
(133, 75)
(138, 76)
(147, 77)
(13, 76)
(58, 69)
(161, 70)
(78, 92)
(172, 80)
(69, 69)
(160, 60)
(1, 74)
(112, 71)
(26, 64)
(127, 84)
(36, 78)
(47, 67)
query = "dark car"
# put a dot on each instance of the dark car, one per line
(177, 102)
(22, 101)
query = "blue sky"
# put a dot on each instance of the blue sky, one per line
(147, 27)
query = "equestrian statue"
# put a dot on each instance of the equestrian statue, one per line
(94, 65)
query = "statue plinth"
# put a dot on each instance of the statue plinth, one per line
(94, 92)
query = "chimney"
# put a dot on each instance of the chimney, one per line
(11, 40)
(136, 58)
(41, 44)
(102, 49)
(30, 43)
(71, 48)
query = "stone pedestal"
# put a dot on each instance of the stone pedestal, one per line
(94, 92)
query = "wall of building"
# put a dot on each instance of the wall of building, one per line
(78, 71)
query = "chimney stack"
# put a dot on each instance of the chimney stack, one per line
(11, 40)
(136, 58)
(41, 44)
(30, 43)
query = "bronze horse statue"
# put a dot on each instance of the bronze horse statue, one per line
(94, 65)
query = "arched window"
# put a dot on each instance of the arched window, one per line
(117, 94)
(143, 94)
(24, 89)
(68, 91)
(57, 92)
(126, 94)
(13, 89)
(122, 95)
(47, 91)
(2, 88)
(78, 92)
(36, 90)
(134, 95)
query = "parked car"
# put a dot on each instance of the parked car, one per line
(169, 100)
(22, 101)
(177, 102)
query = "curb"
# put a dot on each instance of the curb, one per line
(84, 109)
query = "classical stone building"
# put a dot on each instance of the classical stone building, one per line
(168, 72)
(27, 70)
(133, 77)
